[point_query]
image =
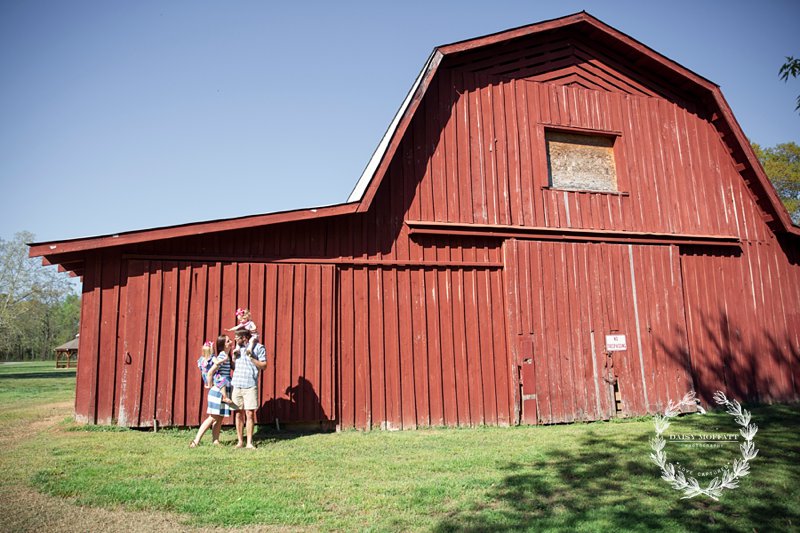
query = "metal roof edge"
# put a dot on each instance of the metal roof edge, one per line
(49, 248)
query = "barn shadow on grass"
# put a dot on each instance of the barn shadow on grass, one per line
(611, 485)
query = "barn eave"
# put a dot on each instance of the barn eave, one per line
(70, 254)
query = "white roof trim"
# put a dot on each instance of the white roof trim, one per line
(380, 151)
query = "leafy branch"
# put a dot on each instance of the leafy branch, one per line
(790, 68)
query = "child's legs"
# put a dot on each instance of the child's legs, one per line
(222, 383)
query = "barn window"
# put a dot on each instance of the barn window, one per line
(581, 162)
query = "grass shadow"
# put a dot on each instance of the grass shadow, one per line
(269, 433)
(610, 484)
(58, 374)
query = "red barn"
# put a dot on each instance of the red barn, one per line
(560, 224)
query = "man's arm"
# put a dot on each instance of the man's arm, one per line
(259, 357)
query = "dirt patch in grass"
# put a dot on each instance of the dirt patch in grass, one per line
(27, 510)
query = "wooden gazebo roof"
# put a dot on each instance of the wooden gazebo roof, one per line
(69, 346)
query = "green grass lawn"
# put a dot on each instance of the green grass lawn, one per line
(578, 477)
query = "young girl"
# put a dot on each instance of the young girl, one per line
(246, 323)
(206, 361)
(209, 367)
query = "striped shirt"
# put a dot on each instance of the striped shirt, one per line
(245, 376)
(223, 363)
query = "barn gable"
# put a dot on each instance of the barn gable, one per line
(563, 57)
(461, 284)
(579, 51)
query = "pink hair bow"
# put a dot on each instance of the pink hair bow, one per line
(240, 311)
(208, 344)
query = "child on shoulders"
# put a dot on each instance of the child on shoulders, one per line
(245, 322)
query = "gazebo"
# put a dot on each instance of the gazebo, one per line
(67, 354)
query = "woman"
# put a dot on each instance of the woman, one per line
(217, 409)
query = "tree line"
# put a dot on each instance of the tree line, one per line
(39, 307)
(782, 165)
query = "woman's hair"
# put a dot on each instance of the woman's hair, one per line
(221, 340)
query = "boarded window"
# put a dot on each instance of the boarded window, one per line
(581, 162)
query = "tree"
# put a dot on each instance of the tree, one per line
(782, 165)
(30, 297)
(790, 68)
(66, 317)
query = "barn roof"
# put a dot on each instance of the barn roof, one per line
(645, 59)
(68, 254)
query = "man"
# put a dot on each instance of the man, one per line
(247, 366)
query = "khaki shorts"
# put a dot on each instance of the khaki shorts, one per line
(246, 399)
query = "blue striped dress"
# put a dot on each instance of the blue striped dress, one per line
(215, 405)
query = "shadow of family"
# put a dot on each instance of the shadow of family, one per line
(301, 408)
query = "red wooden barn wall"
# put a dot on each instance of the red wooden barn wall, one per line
(396, 329)
(143, 367)
(744, 325)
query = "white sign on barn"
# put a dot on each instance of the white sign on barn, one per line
(616, 343)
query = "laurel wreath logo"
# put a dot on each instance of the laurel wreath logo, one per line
(730, 476)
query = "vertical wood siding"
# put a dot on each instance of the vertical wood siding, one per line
(744, 326)
(423, 346)
(484, 140)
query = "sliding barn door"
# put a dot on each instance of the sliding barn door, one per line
(599, 329)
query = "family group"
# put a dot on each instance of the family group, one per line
(230, 370)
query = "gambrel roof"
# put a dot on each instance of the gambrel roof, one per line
(570, 63)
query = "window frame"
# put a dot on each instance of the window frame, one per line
(618, 153)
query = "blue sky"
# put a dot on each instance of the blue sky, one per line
(117, 116)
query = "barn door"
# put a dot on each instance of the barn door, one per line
(600, 329)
